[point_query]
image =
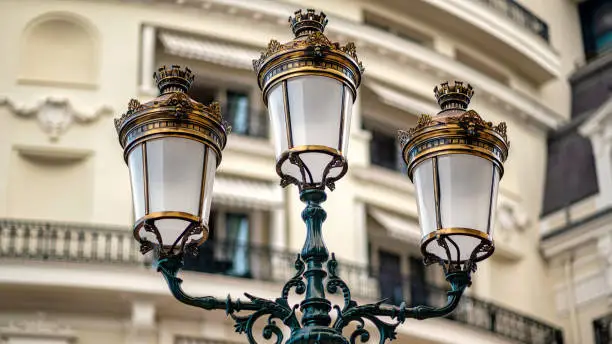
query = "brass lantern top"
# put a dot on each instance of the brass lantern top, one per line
(309, 53)
(172, 113)
(454, 130)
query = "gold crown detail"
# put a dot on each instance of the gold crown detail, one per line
(305, 23)
(456, 95)
(173, 79)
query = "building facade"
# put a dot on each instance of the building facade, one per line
(69, 269)
(577, 211)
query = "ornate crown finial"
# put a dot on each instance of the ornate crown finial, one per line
(307, 23)
(453, 96)
(173, 79)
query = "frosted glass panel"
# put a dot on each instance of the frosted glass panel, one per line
(346, 126)
(315, 107)
(465, 191)
(175, 174)
(424, 187)
(211, 168)
(135, 165)
(276, 109)
(494, 200)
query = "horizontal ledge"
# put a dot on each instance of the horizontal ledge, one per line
(57, 83)
(64, 154)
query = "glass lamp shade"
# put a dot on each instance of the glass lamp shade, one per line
(455, 160)
(172, 146)
(310, 118)
(172, 181)
(456, 196)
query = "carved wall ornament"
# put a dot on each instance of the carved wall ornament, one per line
(56, 115)
(40, 327)
(511, 217)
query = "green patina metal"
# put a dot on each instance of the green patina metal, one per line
(313, 280)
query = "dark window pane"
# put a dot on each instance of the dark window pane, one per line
(202, 93)
(384, 150)
(238, 112)
(419, 294)
(237, 240)
(390, 277)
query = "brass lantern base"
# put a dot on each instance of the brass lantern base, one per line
(182, 242)
(307, 181)
(444, 238)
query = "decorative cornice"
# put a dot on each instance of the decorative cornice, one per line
(469, 120)
(180, 101)
(55, 115)
(40, 327)
(316, 39)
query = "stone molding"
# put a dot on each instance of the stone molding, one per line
(55, 115)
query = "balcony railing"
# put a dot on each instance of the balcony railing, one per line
(30, 240)
(249, 122)
(602, 328)
(521, 16)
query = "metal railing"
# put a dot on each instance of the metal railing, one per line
(521, 16)
(252, 122)
(602, 329)
(68, 242)
(112, 245)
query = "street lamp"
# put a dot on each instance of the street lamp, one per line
(173, 145)
(309, 85)
(455, 160)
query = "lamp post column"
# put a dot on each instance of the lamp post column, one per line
(315, 306)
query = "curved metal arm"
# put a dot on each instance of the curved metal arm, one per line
(169, 267)
(459, 281)
(279, 309)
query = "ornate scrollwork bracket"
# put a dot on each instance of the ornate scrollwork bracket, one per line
(309, 280)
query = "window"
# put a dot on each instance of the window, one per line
(390, 277)
(237, 112)
(227, 250)
(203, 93)
(602, 28)
(596, 20)
(419, 293)
(237, 241)
(236, 109)
(385, 150)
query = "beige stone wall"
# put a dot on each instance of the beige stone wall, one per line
(87, 180)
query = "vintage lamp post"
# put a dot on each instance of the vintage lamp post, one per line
(173, 146)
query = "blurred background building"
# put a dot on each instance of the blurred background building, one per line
(577, 211)
(70, 271)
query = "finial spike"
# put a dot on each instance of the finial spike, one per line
(307, 23)
(455, 95)
(173, 79)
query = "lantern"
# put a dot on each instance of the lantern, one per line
(309, 86)
(172, 146)
(455, 160)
